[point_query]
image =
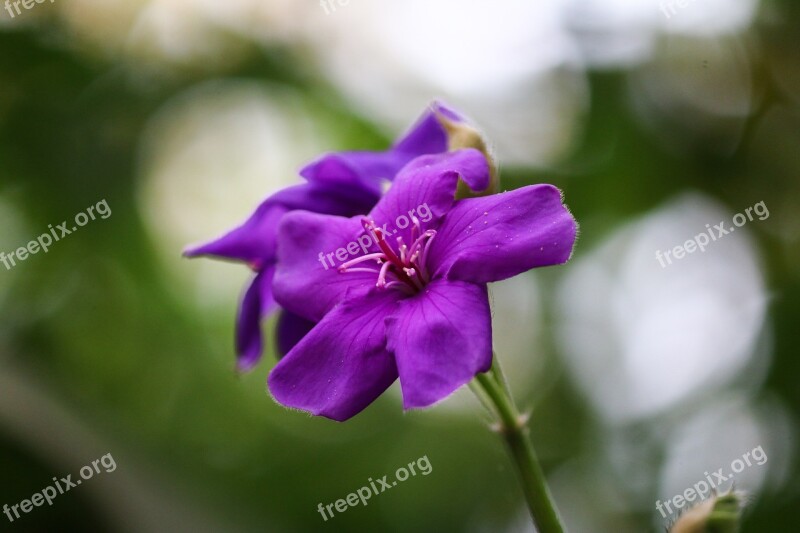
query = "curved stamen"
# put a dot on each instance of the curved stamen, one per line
(384, 246)
(403, 249)
(413, 276)
(345, 266)
(368, 270)
(417, 227)
(382, 275)
(424, 258)
(421, 240)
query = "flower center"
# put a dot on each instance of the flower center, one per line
(402, 269)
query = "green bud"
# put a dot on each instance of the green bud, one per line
(462, 135)
(718, 514)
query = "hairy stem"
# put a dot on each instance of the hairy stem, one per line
(515, 432)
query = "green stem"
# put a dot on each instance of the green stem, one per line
(478, 391)
(500, 378)
(515, 431)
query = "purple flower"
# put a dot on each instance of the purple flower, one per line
(344, 184)
(414, 303)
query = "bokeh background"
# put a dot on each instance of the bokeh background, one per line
(184, 114)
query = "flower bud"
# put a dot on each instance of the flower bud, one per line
(460, 135)
(718, 514)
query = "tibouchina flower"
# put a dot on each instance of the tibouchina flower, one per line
(345, 184)
(414, 304)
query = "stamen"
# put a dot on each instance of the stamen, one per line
(413, 276)
(382, 275)
(424, 258)
(357, 260)
(369, 270)
(418, 242)
(417, 226)
(384, 246)
(403, 249)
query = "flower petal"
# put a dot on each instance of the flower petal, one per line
(440, 108)
(429, 181)
(254, 241)
(306, 282)
(290, 330)
(441, 338)
(427, 136)
(361, 172)
(342, 365)
(366, 171)
(257, 302)
(499, 236)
